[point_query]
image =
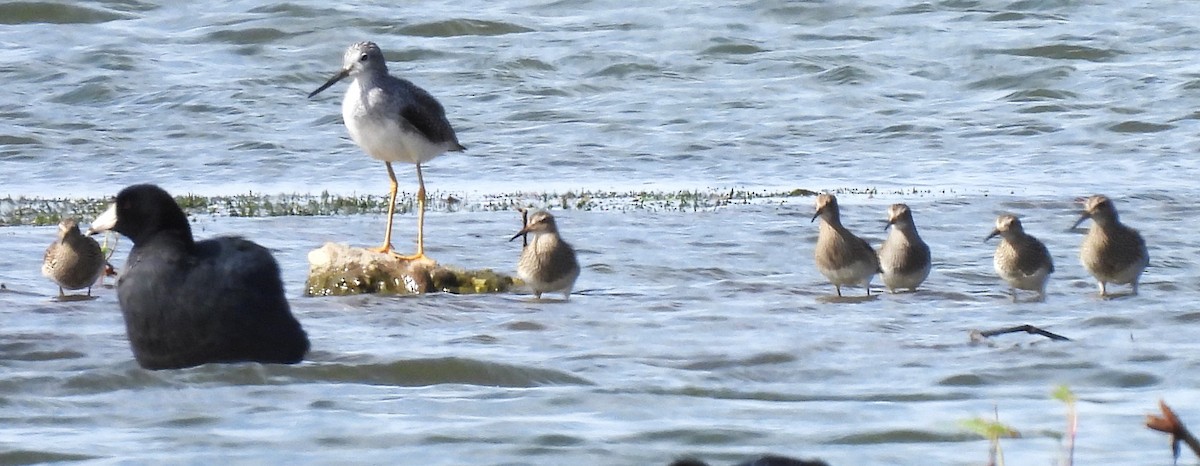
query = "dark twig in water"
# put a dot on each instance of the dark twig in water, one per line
(524, 222)
(979, 335)
(1170, 424)
(768, 460)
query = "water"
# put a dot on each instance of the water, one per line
(695, 332)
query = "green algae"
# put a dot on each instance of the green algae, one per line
(340, 270)
(385, 281)
(16, 211)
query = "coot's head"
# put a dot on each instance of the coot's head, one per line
(142, 211)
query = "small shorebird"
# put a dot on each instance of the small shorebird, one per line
(904, 256)
(1111, 251)
(392, 120)
(1020, 259)
(548, 263)
(73, 261)
(841, 257)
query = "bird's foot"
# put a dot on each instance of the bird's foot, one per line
(418, 257)
(385, 249)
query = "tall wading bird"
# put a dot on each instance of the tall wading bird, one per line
(392, 120)
(1020, 259)
(841, 257)
(1111, 251)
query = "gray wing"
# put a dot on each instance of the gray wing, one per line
(425, 115)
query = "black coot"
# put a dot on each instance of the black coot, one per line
(190, 302)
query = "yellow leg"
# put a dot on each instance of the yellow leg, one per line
(387, 237)
(420, 255)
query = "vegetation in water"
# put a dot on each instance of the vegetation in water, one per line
(1064, 394)
(16, 211)
(993, 430)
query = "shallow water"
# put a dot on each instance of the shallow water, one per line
(702, 332)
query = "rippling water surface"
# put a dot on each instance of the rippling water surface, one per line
(695, 332)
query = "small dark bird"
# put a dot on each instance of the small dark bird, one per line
(73, 261)
(188, 302)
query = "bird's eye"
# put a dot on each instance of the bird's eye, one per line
(363, 57)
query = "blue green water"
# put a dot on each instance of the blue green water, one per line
(695, 332)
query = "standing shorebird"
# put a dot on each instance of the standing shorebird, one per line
(392, 120)
(547, 263)
(73, 261)
(1020, 259)
(1111, 251)
(841, 257)
(904, 257)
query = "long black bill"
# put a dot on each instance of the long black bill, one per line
(1081, 220)
(337, 77)
(519, 233)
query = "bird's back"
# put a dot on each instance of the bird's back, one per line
(394, 120)
(1024, 262)
(843, 257)
(1116, 253)
(223, 301)
(549, 263)
(904, 259)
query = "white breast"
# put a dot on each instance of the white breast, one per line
(374, 124)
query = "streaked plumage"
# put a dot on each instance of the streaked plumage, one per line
(548, 263)
(1111, 251)
(841, 257)
(392, 120)
(904, 257)
(73, 261)
(1020, 259)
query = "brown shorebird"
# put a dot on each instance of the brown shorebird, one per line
(1111, 251)
(73, 261)
(904, 256)
(548, 263)
(841, 257)
(392, 120)
(1020, 259)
